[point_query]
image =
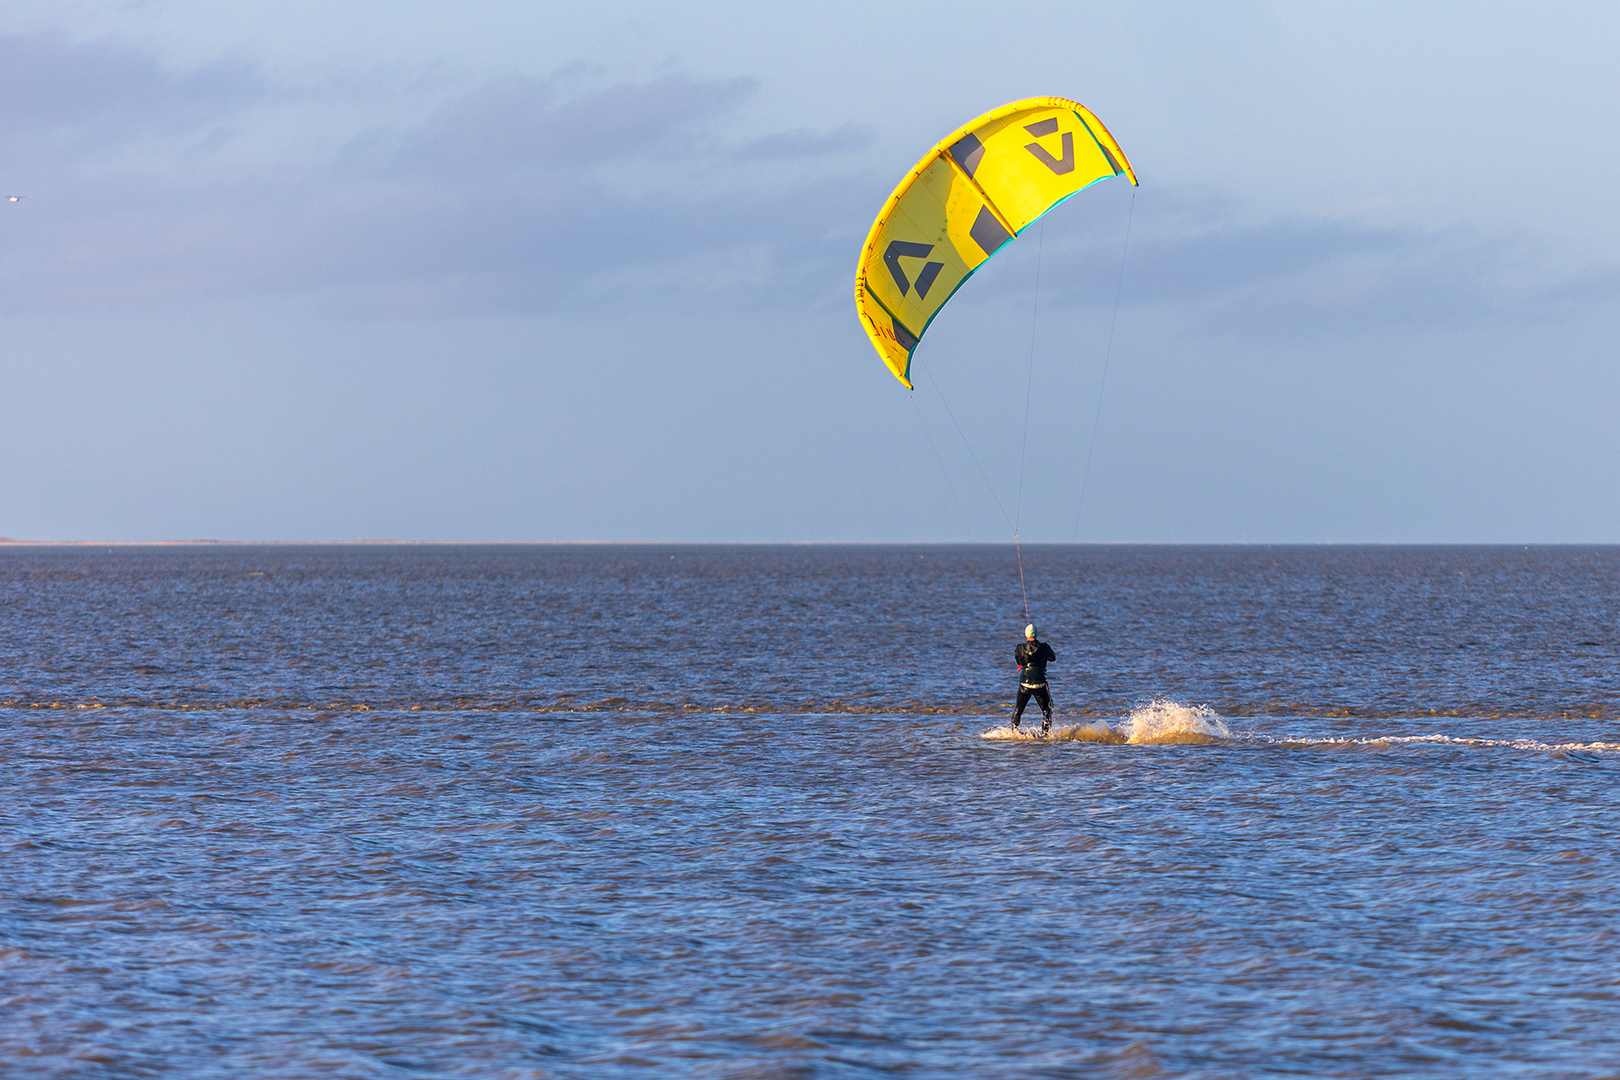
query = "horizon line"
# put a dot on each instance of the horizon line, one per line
(7, 541)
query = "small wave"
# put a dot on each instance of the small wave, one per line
(1384, 742)
(1160, 722)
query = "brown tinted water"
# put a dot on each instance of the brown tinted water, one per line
(754, 812)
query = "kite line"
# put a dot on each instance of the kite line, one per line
(943, 471)
(963, 436)
(1029, 387)
(1108, 352)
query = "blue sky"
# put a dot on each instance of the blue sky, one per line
(493, 271)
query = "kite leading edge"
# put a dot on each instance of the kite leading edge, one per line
(979, 187)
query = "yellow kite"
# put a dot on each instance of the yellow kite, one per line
(979, 187)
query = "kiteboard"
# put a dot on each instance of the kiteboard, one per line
(1098, 731)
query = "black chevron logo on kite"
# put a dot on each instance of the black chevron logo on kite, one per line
(1049, 126)
(905, 249)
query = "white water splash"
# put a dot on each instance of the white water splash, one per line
(1163, 721)
(1160, 722)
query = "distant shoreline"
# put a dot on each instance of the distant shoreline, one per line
(7, 541)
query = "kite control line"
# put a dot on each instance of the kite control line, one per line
(1029, 390)
(1021, 588)
(1108, 352)
(1029, 380)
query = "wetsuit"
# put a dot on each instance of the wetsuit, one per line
(1032, 657)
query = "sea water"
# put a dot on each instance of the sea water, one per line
(376, 811)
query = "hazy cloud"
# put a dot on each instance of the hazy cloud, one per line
(518, 121)
(1202, 262)
(804, 143)
(495, 199)
(1313, 277)
(48, 81)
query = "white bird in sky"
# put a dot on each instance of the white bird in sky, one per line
(15, 198)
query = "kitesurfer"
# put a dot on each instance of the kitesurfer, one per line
(1033, 655)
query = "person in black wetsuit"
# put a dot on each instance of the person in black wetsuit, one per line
(1033, 656)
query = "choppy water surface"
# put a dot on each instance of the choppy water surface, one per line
(755, 812)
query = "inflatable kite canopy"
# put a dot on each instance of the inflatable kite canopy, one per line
(979, 187)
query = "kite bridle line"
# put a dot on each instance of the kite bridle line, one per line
(969, 446)
(1108, 352)
(942, 470)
